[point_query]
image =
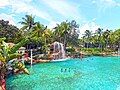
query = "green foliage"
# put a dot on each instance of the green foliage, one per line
(70, 49)
(11, 32)
(18, 45)
(90, 49)
(9, 53)
(67, 33)
(28, 22)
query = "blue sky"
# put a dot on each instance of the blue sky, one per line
(90, 14)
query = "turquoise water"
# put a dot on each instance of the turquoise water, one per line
(92, 73)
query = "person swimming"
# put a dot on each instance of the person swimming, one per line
(69, 70)
(61, 69)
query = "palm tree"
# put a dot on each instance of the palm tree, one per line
(61, 32)
(28, 22)
(117, 34)
(73, 33)
(106, 36)
(46, 35)
(67, 32)
(88, 35)
(57, 32)
(39, 29)
(99, 33)
(37, 32)
(115, 38)
(83, 41)
(42, 35)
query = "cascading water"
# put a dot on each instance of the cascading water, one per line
(62, 50)
(58, 51)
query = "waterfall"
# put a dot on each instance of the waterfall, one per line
(58, 51)
(62, 50)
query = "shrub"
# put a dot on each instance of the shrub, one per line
(70, 49)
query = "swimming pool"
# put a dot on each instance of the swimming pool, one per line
(91, 73)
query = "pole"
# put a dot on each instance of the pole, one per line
(31, 57)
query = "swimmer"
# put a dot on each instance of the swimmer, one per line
(69, 69)
(65, 69)
(61, 70)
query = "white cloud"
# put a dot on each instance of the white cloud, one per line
(61, 6)
(64, 8)
(105, 4)
(7, 18)
(110, 3)
(24, 6)
(92, 26)
(52, 24)
(4, 3)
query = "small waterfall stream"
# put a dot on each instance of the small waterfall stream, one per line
(58, 50)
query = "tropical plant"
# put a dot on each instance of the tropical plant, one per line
(115, 39)
(99, 34)
(106, 36)
(117, 36)
(7, 54)
(40, 34)
(28, 22)
(46, 37)
(88, 35)
(9, 31)
(73, 33)
(37, 32)
(61, 32)
(66, 32)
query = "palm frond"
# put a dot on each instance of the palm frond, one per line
(18, 45)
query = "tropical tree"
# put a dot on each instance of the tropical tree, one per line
(57, 33)
(88, 35)
(115, 39)
(73, 33)
(83, 41)
(46, 37)
(67, 32)
(40, 34)
(117, 36)
(28, 22)
(99, 34)
(7, 54)
(9, 31)
(61, 32)
(106, 36)
(37, 32)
